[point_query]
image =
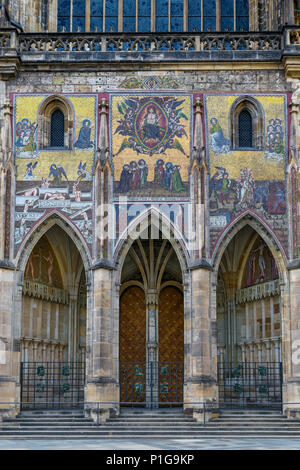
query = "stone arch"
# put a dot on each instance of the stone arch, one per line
(255, 109)
(265, 232)
(166, 227)
(46, 109)
(51, 219)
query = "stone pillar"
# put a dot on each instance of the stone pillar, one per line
(102, 354)
(9, 345)
(290, 308)
(201, 360)
(152, 344)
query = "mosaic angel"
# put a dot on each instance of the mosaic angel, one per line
(218, 143)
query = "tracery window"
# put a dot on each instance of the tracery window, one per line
(152, 15)
(245, 129)
(57, 129)
(246, 124)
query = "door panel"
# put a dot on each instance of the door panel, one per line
(132, 345)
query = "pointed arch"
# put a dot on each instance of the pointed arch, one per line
(160, 222)
(263, 230)
(253, 108)
(41, 228)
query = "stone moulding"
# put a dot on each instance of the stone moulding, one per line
(45, 292)
(257, 292)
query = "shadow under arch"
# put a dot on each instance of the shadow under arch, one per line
(41, 228)
(148, 218)
(263, 230)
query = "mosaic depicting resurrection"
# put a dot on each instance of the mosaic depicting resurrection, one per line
(251, 178)
(151, 144)
(57, 178)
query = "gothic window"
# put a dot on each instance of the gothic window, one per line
(57, 129)
(152, 16)
(246, 124)
(55, 123)
(245, 129)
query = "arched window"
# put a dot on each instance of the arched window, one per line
(246, 124)
(55, 123)
(245, 129)
(57, 129)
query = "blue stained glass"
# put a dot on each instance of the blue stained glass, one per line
(195, 22)
(78, 22)
(162, 8)
(227, 22)
(129, 24)
(129, 8)
(144, 8)
(144, 24)
(96, 22)
(63, 7)
(227, 8)
(242, 8)
(111, 8)
(111, 22)
(176, 24)
(78, 7)
(194, 8)
(242, 22)
(176, 8)
(162, 24)
(96, 8)
(63, 22)
(209, 7)
(209, 22)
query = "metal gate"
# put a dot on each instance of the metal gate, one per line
(250, 384)
(151, 384)
(52, 385)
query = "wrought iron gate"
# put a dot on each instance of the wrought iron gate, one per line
(151, 384)
(250, 384)
(52, 385)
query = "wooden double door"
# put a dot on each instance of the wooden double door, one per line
(147, 379)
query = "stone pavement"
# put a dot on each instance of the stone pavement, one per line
(152, 444)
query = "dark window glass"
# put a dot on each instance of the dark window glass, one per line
(242, 22)
(162, 24)
(245, 129)
(63, 23)
(96, 8)
(194, 8)
(162, 8)
(63, 7)
(176, 8)
(145, 8)
(111, 24)
(227, 22)
(78, 7)
(209, 23)
(57, 129)
(96, 24)
(227, 8)
(144, 24)
(177, 24)
(129, 24)
(209, 7)
(111, 8)
(78, 23)
(194, 22)
(242, 8)
(129, 8)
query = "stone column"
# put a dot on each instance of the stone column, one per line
(152, 344)
(10, 355)
(102, 342)
(290, 308)
(201, 344)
